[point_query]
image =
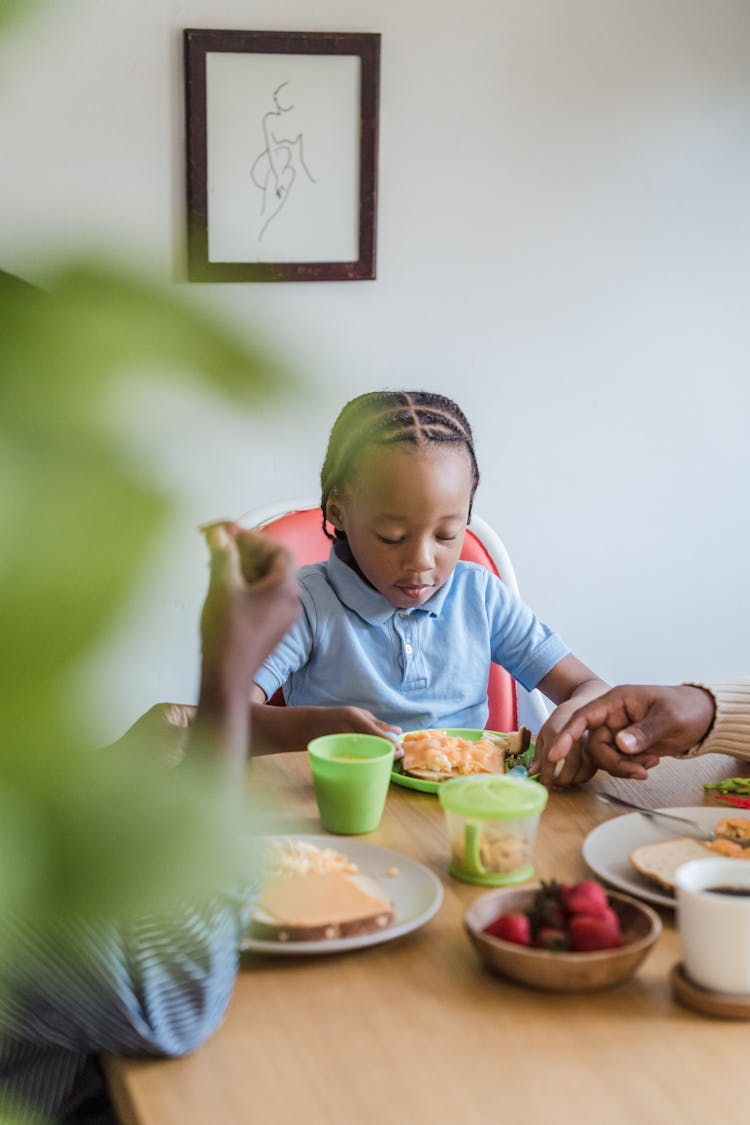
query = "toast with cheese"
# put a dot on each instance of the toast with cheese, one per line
(318, 907)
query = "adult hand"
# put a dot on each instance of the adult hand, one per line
(252, 601)
(630, 727)
(162, 731)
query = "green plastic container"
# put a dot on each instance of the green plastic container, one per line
(492, 823)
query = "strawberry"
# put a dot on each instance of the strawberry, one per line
(586, 897)
(594, 931)
(511, 927)
(551, 937)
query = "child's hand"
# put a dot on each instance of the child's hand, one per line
(347, 720)
(578, 765)
(364, 722)
(281, 729)
(570, 684)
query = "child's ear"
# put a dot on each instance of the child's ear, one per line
(335, 512)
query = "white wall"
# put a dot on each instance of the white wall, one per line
(563, 247)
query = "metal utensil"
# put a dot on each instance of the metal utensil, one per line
(653, 814)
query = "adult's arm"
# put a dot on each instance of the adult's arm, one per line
(159, 983)
(729, 733)
(252, 602)
(631, 727)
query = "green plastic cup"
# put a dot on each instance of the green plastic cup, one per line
(351, 774)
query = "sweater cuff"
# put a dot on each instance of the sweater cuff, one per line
(730, 731)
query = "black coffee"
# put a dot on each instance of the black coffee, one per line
(738, 892)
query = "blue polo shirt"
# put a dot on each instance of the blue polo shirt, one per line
(426, 666)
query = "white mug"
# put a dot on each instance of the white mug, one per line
(714, 925)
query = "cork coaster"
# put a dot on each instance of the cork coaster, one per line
(723, 1005)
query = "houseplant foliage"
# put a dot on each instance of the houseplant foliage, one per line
(87, 833)
(82, 832)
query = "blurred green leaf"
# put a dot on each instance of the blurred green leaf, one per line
(75, 517)
(61, 349)
(78, 530)
(113, 833)
(84, 833)
(11, 10)
(120, 834)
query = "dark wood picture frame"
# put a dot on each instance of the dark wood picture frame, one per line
(282, 164)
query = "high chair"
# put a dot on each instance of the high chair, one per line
(297, 525)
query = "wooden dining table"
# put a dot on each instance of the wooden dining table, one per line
(416, 1030)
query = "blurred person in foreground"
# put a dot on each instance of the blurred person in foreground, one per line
(630, 728)
(159, 983)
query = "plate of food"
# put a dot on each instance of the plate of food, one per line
(640, 856)
(433, 756)
(313, 897)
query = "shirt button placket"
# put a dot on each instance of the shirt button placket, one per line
(402, 632)
(408, 649)
(406, 627)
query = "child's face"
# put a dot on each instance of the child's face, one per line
(405, 515)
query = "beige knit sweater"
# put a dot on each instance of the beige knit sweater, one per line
(730, 732)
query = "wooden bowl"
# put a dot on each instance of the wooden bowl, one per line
(561, 971)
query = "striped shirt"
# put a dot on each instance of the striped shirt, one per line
(154, 986)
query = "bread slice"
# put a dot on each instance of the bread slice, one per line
(659, 862)
(430, 775)
(315, 907)
(518, 742)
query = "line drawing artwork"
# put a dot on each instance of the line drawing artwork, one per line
(275, 169)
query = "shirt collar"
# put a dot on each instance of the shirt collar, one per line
(358, 595)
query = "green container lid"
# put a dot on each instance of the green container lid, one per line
(495, 797)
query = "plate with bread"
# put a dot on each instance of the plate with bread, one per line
(319, 894)
(640, 856)
(433, 756)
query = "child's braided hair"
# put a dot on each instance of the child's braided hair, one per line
(382, 418)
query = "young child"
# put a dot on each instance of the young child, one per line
(393, 622)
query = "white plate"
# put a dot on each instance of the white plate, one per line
(415, 892)
(607, 847)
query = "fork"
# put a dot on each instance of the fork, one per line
(653, 814)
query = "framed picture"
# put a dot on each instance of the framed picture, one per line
(282, 138)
